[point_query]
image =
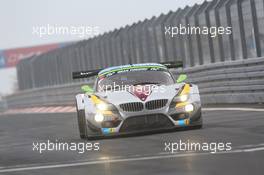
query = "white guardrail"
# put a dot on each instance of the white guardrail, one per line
(219, 83)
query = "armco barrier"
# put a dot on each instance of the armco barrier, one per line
(3, 105)
(228, 82)
(148, 41)
(57, 95)
(227, 67)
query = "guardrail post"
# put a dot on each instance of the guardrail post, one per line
(229, 23)
(199, 58)
(188, 38)
(255, 28)
(124, 45)
(180, 40)
(205, 39)
(170, 42)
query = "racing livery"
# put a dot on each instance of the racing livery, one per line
(136, 98)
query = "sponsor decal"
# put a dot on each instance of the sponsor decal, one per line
(142, 92)
(11, 57)
(183, 122)
(126, 68)
(2, 60)
(108, 130)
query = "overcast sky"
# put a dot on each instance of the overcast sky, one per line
(19, 17)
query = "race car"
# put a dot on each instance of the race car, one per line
(136, 98)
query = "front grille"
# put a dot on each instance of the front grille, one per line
(156, 104)
(132, 107)
(146, 122)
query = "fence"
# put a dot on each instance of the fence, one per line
(227, 82)
(3, 105)
(222, 65)
(147, 41)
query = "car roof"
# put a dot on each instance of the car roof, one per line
(131, 67)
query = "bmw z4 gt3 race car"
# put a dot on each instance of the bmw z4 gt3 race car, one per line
(136, 98)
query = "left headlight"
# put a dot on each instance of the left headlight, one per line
(104, 106)
(99, 117)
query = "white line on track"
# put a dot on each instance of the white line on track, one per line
(124, 159)
(234, 109)
(71, 109)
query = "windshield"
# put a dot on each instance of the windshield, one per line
(135, 78)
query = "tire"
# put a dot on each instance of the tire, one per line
(200, 125)
(85, 131)
(82, 124)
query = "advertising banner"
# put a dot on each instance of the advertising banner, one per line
(13, 56)
(2, 59)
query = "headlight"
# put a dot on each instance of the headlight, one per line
(103, 106)
(99, 117)
(184, 98)
(189, 108)
(181, 98)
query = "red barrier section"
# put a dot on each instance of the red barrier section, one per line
(13, 56)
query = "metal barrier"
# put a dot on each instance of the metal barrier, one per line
(229, 82)
(3, 105)
(148, 41)
(55, 96)
(228, 68)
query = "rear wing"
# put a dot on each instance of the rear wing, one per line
(85, 74)
(91, 73)
(172, 64)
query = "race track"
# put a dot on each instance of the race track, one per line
(143, 154)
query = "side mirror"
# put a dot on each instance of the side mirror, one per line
(87, 89)
(181, 78)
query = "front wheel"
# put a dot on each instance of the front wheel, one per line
(200, 125)
(82, 123)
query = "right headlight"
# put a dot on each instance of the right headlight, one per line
(189, 108)
(105, 112)
(181, 98)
